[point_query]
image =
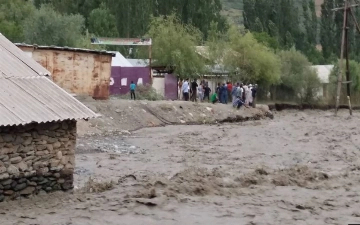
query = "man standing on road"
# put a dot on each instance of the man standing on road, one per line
(185, 90)
(132, 90)
(194, 87)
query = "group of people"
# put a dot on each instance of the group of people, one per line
(239, 94)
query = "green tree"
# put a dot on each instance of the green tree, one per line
(48, 27)
(354, 68)
(13, 14)
(102, 23)
(252, 61)
(265, 39)
(174, 46)
(297, 75)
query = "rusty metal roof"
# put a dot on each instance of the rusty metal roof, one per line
(27, 96)
(57, 48)
(13, 57)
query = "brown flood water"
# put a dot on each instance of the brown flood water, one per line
(300, 168)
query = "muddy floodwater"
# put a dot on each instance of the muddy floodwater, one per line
(300, 168)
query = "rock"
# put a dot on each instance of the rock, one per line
(29, 158)
(27, 141)
(52, 140)
(48, 189)
(41, 147)
(14, 155)
(57, 168)
(59, 155)
(28, 191)
(15, 160)
(57, 175)
(54, 162)
(12, 170)
(18, 140)
(13, 184)
(64, 139)
(9, 192)
(56, 145)
(69, 166)
(66, 172)
(49, 147)
(1, 187)
(6, 182)
(38, 165)
(22, 166)
(5, 158)
(22, 180)
(30, 173)
(61, 181)
(2, 169)
(1, 139)
(2, 198)
(31, 183)
(20, 187)
(41, 153)
(35, 134)
(8, 138)
(64, 125)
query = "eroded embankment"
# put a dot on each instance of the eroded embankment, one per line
(119, 115)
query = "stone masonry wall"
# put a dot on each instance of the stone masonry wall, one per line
(36, 157)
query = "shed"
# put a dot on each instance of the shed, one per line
(79, 71)
(323, 72)
(37, 127)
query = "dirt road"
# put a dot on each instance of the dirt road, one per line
(300, 168)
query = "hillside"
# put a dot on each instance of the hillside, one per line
(233, 9)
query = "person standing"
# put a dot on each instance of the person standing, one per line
(229, 90)
(132, 90)
(224, 94)
(201, 92)
(253, 92)
(179, 89)
(185, 90)
(194, 87)
(235, 92)
(207, 91)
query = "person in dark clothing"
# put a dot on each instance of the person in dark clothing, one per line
(207, 91)
(224, 94)
(194, 87)
(132, 90)
(253, 94)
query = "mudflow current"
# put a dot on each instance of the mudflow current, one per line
(300, 168)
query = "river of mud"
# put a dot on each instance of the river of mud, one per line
(300, 168)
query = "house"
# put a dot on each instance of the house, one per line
(323, 72)
(79, 71)
(123, 72)
(37, 127)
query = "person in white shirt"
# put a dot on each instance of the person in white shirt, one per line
(185, 90)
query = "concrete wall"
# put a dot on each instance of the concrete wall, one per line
(80, 73)
(36, 158)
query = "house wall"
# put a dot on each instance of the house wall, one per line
(80, 73)
(159, 85)
(36, 158)
(121, 78)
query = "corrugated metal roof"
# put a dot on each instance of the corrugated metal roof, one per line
(18, 56)
(120, 60)
(139, 62)
(99, 52)
(26, 96)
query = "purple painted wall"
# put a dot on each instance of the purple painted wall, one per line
(171, 87)
(121, 78)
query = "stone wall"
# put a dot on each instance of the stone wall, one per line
(36, 157)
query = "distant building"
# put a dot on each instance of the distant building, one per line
(78, 71)
(323, 72)
(37, 127)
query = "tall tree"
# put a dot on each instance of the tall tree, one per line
(102, 23)
(174, 45)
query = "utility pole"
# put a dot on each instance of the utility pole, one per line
(345, 48)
